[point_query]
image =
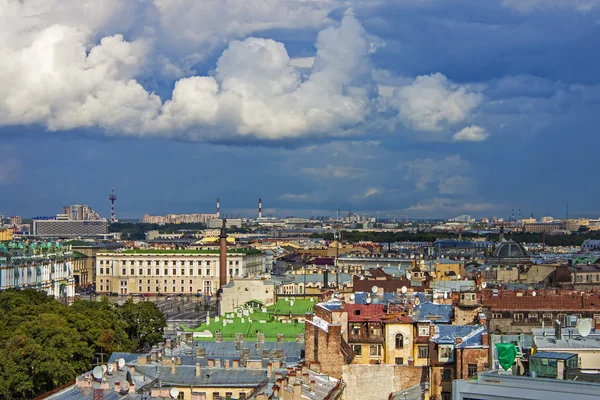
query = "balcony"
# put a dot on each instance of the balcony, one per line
(365, 339)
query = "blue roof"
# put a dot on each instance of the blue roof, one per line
(553, 355)
(470, 334)
(427, 309)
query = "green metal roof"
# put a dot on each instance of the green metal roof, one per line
(300, 306)
(78, 243)
(270, 328)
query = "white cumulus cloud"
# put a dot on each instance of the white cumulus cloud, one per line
(471, 133)
(432, 102)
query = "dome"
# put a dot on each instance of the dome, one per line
(510, 249)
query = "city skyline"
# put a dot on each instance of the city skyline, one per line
(404, 108)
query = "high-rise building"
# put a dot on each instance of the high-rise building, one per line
(81, 212)
(62, 226)
(16, 220)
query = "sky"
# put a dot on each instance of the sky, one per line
(425, 108)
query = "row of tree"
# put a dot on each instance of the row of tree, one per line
(45, 343)
(136, 231)
(574, 239)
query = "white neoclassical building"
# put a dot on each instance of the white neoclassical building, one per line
(44, 266)
(149, 271)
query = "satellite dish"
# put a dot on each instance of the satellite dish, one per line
(104, 368)
(445, 295)
(458, 276)
(534, 293)
(408, 275)
(369, 300)
(404, 289)
(352, 297)
(584, 327)
(121, 363)
(174, 392)
(412, 256)
(124, 387)
(110, 368)
(98, 373)
(483, 285)
(417, 301)
(374, 289)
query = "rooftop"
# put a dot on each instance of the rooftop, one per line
(246, 251)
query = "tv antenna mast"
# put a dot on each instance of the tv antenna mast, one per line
(112, 197)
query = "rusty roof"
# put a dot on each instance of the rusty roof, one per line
(506, 300)
(366, 312)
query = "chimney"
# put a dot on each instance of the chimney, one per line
(276, 391)
(132, 387)
(259, 208)
(218, 208)
(269, 369)
(226, 363)
(305, 378)
(218, 363)
(142, 360)
(278, 375)
(198, 369)
(132, 369)
(223, 255)
(297, 390)
(173, 368)
(557, 330)
(178, 360)
(485, 339)
(236, 364)
(312, 386)
(211, 363)
(431, 330)
(117, 387)
(459, 340)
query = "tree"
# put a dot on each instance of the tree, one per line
(145, 323)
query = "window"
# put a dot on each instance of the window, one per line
(446, 353)
(533, 317)
(399, 361)
(139, 281)
(356, 329)
(547, 317)
(149, 272)
(357, 348)
(446, 396)
(423, 330)
(166, 272)
(518, 317)
(141, 272)
(199, 272)
(181, 396)
(242, 396)
(560, 317)
(132, 271)
(124, 271)
(174, 272)
(472, 370)
(375, 330)
(374, 350)
(356, 312)
(191, 272)
(423, 351)
(191, 281)
(208, 272)
(497, 315)
(215, 395)
(446, 375)
(101, 270)
(399, 341)
(228, 395)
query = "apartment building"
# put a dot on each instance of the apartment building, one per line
(171, 271)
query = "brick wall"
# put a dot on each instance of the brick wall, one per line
(377, 382)
(324, 348)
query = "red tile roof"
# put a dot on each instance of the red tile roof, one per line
(368, 312)
(571, 301)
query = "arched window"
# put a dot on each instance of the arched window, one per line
(399, 341)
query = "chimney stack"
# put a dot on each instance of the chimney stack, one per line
(259, 208)
(223, 255)
(198, 369)
(218, 208)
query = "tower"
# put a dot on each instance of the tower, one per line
(259, 208)
(218, 208)
(112, 199)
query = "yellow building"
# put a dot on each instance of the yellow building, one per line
(6, 234)
(447, 269)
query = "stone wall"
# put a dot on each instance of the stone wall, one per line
(377, 382)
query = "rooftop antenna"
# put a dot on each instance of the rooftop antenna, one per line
(112, 197)
(218, 208)
(260, 208)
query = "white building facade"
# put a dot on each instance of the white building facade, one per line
(156, 272)
(49, 269)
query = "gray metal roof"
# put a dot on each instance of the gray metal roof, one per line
(209, 377)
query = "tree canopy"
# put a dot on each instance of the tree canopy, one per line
(45, 343)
